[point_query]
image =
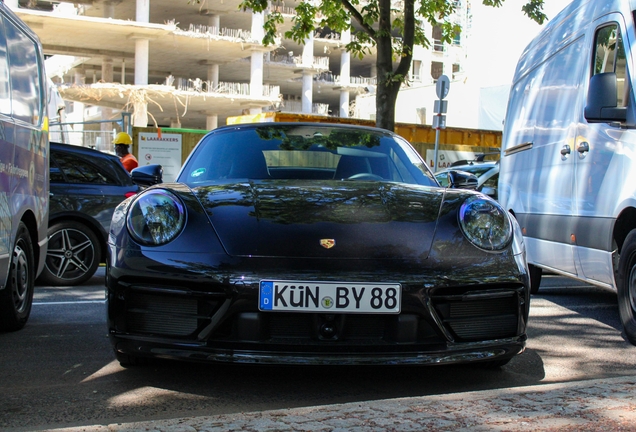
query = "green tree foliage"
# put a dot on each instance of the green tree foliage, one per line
(392, 27)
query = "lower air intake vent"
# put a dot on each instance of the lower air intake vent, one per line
(153, 314)
(480, 317)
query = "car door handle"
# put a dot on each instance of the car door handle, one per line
(583, 147)
(565, 150)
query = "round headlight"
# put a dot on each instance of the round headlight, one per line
(156, 217)
(485, 223)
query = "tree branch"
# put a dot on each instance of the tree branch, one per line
(408, 38)
(359, 18)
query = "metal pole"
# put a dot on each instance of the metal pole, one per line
(436, 149)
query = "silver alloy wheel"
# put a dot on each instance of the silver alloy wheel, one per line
(70, 255)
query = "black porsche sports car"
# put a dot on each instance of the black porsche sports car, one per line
(307, 243)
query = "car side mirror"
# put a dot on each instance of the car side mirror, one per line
(462, 180)
(602, 102)
(147, 175)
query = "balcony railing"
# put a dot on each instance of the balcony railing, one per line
(292, 106)
(211, 32)
(203, 86)
(318, 62)
(328, 77)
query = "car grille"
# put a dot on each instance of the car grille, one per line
(354, 327)
(166, 315)
(466, 314)
(480, 315)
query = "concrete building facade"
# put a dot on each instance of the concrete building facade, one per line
(191, 65)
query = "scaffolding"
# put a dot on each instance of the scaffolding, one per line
(96, 134)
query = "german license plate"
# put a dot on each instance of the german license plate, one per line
(329, 297)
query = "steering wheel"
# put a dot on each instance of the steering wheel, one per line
(365, 176)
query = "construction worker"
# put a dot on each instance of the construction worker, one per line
(122, 141)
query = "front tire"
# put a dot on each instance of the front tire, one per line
(626, 286)
(535, 278)
(73, 255)
(16, 298)
(127, 360)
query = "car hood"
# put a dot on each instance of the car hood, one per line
(292, 219)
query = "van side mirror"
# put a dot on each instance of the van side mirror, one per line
(462, 180)
(147, 175)
(602, 103)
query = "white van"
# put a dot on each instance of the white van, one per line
(24, 168)
(568, 156)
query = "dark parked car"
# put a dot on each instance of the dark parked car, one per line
(85, 187)
(307, 243)
(487, 173)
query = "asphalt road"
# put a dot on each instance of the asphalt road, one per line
(59, 371)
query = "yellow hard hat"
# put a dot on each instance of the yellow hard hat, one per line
(122, 138)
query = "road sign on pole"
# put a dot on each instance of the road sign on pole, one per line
(442, 87)
(439, 120)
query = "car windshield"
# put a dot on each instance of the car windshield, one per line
(304, 152)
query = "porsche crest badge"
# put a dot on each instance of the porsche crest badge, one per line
(327, 243)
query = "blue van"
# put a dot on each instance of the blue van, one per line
(24, 168)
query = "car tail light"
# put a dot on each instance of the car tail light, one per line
(129, 194)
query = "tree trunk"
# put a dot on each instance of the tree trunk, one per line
(385, 95)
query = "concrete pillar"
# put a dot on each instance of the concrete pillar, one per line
(109, 9)
(256, 63)
(140, 109)
(107, 70)
(123, 71)
(143, 11)
(345, 75)
(106, 113)
(211, 122)
(140, 115)
(214, 24)
(256, 74)
(257, 30)
(213, 76)
(308, 78)
(344, 103)
(141, 61)
(308, 51)
(307, 94)
(77, 136)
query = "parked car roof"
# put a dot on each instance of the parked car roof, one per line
(487, 173)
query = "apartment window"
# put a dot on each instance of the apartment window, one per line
(457, 39)
(456, 69)
(437, 69)
(438, 45)
(416, 70)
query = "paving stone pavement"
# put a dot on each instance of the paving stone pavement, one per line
(593, 405)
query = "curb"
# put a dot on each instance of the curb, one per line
(593, 405)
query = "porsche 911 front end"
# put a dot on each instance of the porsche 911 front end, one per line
(314, 244)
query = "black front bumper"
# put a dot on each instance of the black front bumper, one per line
(441, 325)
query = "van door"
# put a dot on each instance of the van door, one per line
(602, 166)
(537, 183)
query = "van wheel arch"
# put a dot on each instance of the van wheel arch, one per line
(624, 224)
(626, 286)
